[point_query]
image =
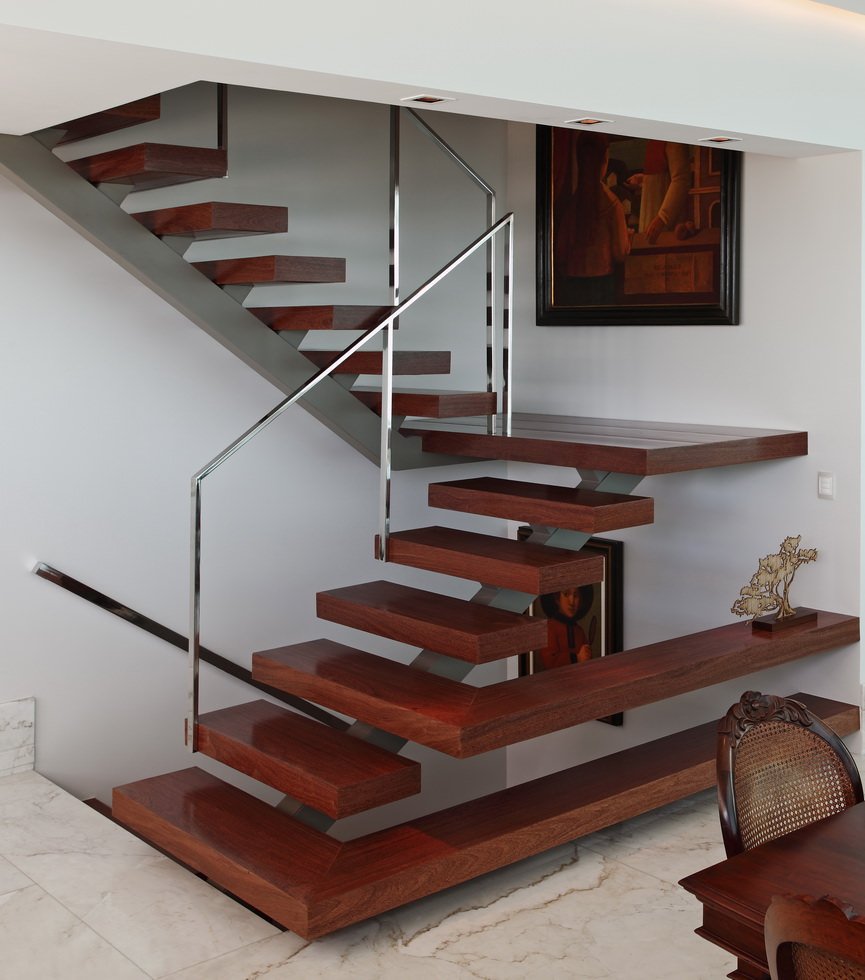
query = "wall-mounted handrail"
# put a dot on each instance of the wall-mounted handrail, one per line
(386, 323)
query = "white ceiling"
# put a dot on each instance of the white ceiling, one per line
(60, 76)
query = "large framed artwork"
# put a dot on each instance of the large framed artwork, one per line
(635, 231)
(583, 623)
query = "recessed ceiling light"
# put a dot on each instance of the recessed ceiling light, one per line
(428, 99)
(587, 121)
(720, 139)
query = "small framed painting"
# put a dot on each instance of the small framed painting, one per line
(582, 623)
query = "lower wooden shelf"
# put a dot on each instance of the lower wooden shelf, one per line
(313, 884)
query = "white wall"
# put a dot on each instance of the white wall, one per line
(793, 363)
(112, 401)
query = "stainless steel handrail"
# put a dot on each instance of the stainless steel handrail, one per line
(195, 544)
(490, 193)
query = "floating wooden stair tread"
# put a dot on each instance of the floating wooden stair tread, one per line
(369, 361)
(462, 720)
(454, 627)
(320, 317)
(609, 445)
(333, 772)
(111, 120)
(273, 268)
(215, 219)
(536, 503)
(502, 562)
(152, 165)
(430, 403)
(313, 885)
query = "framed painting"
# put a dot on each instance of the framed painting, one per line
(635, 231)
(583, 623)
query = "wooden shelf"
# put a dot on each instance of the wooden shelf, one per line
(502, 562)
(609, 445)
(324, 768)
(454, 627)
(462, 720)
(538, 503)
(313, 885)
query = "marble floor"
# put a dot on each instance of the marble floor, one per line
(81, 898)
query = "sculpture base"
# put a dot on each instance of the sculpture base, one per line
(772, 625)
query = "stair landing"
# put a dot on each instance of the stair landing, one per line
(610, 445)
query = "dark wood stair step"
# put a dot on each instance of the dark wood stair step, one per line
(320, 317)
(215, 219)
(430, 403)
(273, 268)
(331, 771)
(110, 120)
(536, 503)
(148, 165)
(465, 630)
(313, 884)
(369, 361)
(609, 445)
(463, 720)
(503, 562)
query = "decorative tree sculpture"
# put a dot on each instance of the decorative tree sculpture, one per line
(769, 587)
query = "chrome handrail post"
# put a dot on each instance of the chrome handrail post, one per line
(508, 329)
(221, 116)
(387, 343)
(191, 727)
(492, 358)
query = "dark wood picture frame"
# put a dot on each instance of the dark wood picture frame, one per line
(595, 266)
(600, 617)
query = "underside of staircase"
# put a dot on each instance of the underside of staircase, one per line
(283, 863)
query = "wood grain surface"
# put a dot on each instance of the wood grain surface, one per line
(329, 770)
(273, 268)
(502, 562)
(455, 627)
(609, 445)
(462, 720)
(313, 884)
(215, 219)
(148, 165)
(537, 503)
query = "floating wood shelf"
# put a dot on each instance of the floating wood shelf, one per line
(149, 165)
(429, 403)
(111, 120)
(369, 361)
(609, 445)
(324, 768)
(537, 503)
(503, 562)
(320, 317)
(313, 884)
(215, 219)
(465, 630)
(273, 268)
(462, 720)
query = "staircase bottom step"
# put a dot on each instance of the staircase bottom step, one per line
(313, 884)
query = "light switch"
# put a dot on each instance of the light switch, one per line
(826, 485)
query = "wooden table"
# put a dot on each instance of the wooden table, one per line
(826, 858)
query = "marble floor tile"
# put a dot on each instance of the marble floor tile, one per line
(41, 940)
(567, 913)
(118, 885)
(11, 879)
(669, 843)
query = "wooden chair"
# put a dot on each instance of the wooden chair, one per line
(814, 939)
(779, 768)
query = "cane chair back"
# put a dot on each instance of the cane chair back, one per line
(814, 939)
(779, 768)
